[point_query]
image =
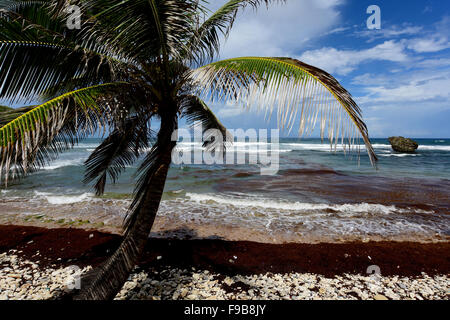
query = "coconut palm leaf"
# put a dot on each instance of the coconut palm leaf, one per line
(37, 11)
(122, 148)
(195, 110)
(144, 29)
(40, 23)
(31, 139)
(297, 90)
(33, 67)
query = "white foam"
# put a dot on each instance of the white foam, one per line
(56, 199)
(326, 147)
(64, 163)
(435, 148)
(399, 155)
(294, 206)
(279, 216)
(289, 147)
(86, 145)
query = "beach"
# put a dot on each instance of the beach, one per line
(37, 263)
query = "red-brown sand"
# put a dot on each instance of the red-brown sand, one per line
(77, 246)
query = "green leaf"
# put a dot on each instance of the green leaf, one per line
(31, 139)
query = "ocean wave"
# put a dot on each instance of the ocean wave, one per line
(326, 147)
(64, 163)
(295, 206)
(399, 155)
(64, 199)
(279, 216)
(249, 150)
(434, 148)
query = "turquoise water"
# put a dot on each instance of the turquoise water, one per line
(316, 190)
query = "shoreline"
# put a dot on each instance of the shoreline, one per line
(173, 227)
(91, 247)
(36, 263)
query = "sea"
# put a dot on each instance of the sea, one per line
(319, 194)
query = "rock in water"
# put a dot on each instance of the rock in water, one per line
(403, 145)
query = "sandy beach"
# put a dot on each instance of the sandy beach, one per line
(36, 263)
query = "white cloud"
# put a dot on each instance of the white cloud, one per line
(416, 86)
(434, 41)
(430, 40)
(390, 32)
(433, 89)
(429, 44)
(432, 63)
(282, 30)
(227, 110)
(345, 61)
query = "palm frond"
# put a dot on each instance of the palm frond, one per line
(29, 68)
(35, 137)
(29, 15)
(143, 29)
(122, 148)
(297, 90)
(195, 110)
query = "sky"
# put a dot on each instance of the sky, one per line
(399, 75)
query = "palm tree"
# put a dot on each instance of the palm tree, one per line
(134, 61)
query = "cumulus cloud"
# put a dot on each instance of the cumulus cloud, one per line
(228, 110)
(416, 38)
(282, 30)
(433, 89)
(343, 62)
(410, 87)
(429, 45)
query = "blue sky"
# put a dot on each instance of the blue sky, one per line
(399, 75)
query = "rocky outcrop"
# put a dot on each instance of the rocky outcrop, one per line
(403, 145)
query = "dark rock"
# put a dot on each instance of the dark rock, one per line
(403, 145)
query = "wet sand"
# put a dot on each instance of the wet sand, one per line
(65, 246)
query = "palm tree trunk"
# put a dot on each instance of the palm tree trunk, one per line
(106, 281)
